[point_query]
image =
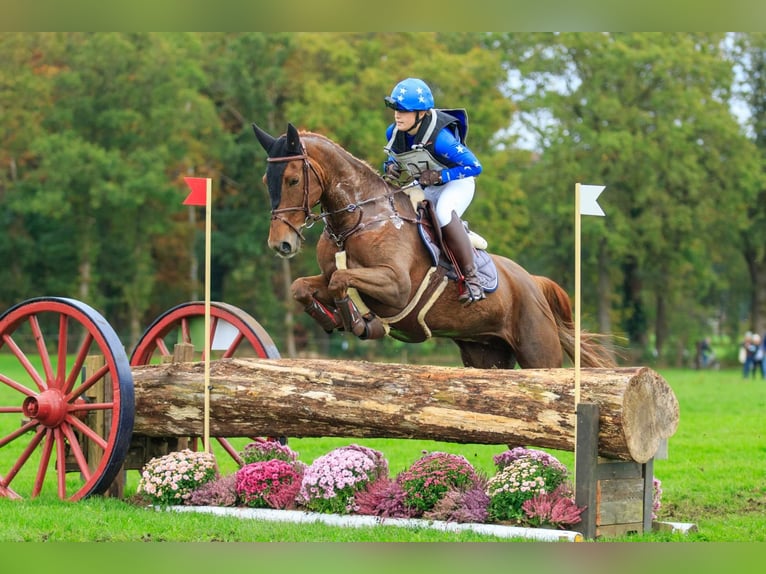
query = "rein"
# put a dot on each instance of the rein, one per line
(310, 218)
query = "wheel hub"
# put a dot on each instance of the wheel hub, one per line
(49, 408)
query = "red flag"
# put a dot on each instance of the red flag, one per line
(198, 195)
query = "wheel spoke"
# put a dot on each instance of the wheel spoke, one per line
(25, 428)
(87, 431)
(60, 462)
(88, 383)
(74, 444)
(229, 353)
(41, 347)
(63, 343)
(185, 331)
(16, 350)
(210, 336)
(162, 347)
(45, 459)
(82, 354)
(17, 386)
(231, 450)
(24, 456)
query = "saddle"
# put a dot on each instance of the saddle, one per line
(430, 234)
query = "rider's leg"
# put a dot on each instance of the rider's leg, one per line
(450, 201)
(457, 240)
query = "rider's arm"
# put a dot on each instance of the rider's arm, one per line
(449, 147)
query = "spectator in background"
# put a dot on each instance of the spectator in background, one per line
(747, 354)
(705, 353)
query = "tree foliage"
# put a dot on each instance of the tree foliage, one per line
(98, 130)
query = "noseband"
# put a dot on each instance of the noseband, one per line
(310, 219)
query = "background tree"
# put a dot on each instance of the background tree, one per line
(647, 115)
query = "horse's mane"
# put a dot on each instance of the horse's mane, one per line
(364, 167)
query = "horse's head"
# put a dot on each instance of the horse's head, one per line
(294, 188)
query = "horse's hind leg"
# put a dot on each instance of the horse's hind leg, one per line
(490, 354)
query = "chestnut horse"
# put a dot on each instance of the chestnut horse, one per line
(378, 278)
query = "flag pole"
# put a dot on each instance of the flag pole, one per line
(588, 207)
(577, 303)
(208, 334)
(201, 194)
(578, 297)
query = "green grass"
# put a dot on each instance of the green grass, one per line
(715, 477)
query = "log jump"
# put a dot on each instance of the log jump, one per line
(316, 398)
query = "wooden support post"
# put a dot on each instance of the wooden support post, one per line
(101, 421)
(586, 464)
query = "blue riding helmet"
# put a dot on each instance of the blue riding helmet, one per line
(411, 95)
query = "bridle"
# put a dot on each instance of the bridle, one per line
(311, 218)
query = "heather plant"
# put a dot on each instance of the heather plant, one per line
(263, 450)
(269, 484)
(170, 479)
(555, 509)
(523, 474)
(461, 506)
(427, 480)
(331, 481)
(218, 492)
(383, 497)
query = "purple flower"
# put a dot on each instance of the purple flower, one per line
(331, 481)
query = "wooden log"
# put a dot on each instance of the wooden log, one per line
(315, 398)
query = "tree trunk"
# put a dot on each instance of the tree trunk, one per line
(317, 398)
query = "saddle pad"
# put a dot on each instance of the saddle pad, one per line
(485, 265)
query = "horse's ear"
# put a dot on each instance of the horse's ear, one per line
(264, 138)
(293, 141)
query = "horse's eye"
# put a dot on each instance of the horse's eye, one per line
(293, 181)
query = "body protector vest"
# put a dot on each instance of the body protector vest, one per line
(422, 155)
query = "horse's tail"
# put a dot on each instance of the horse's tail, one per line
(593, 353)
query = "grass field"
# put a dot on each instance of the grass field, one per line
(715, 477)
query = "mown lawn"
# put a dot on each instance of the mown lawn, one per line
(715, 477)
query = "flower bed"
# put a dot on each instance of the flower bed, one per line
(529, 489)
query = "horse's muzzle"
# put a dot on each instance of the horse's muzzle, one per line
(285, 247)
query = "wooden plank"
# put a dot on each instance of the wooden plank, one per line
(620, 501)
(615, 469)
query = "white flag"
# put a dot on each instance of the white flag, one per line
(588, 196)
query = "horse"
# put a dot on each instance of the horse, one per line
(377, 277)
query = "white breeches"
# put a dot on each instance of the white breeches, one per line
(454, 196)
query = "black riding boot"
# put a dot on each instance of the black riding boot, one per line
(457, 240)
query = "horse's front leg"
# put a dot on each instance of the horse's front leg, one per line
(377, 283)
(312, 293)
(384, 283)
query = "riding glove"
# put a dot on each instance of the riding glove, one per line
(430, 177)
(393, 170)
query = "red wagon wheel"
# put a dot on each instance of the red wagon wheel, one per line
(233, 333)
(60, 426)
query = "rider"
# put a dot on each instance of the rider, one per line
(429, 144)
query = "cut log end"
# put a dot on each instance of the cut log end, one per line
(650, 414)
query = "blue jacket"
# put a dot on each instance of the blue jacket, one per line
(447, 146)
